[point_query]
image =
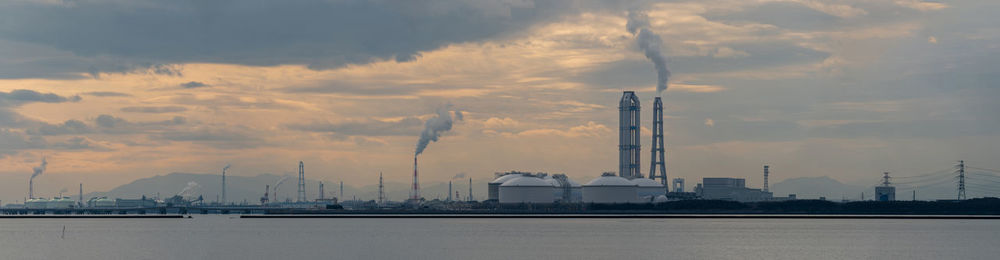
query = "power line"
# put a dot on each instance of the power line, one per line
(984, 169)
(949, 170)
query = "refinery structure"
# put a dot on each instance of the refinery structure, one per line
(512, 189)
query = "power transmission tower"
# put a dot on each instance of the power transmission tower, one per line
(961, 179)
(302, 182)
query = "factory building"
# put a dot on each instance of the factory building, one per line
(886, 192)
(730, 189)
(100, 202)
(610, 189)
(526, 189)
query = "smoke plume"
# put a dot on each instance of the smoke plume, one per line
(459, 176)
(279, 182)
(435, 126)
(188, 190)
(40, 169)
(638, 24)
(225, 168)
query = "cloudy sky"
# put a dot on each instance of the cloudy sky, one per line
(111, 90)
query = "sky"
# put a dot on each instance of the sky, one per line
(110, 91)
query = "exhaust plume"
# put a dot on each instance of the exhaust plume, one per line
(435, 126)
(649, 42)
(225, 168)
(188, 190)
(40, 169)
(459, 176)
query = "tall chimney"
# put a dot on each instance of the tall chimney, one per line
(766, 172)
(416, 184)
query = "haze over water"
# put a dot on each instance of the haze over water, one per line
(227, 237)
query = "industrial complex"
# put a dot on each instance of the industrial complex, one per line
(538, 190)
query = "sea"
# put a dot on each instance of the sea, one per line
(229, 237)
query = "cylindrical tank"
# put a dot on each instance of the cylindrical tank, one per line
(493, 192)
(610, 189)
(60, 203)
(648, 188)
(36, 203)
(526, 189)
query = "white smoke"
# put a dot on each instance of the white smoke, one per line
(278, 183)
(189, 190)
(638, 24)
(39, 169)
(435, 126)
(225, 168)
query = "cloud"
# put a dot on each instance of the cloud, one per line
(364, 127)
(154, 109)
(193, 84)
(107, 94)
(590, 129)
(23, 96)
(320, 34)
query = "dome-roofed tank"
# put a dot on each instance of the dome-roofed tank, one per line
(60, 203)
(102, 202)
(36, 203)
(526, 189)
(610, 189)
(648, 188)
(493, 191)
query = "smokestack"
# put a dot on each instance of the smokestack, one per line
(36, 171)
(415, 195)
(470, 190)
(766, 172)
(302, 183)
(638, 24)
(81, 194)
(628, 136)
(449, 191)
(321, 190)
(656, 150)
(224, 183)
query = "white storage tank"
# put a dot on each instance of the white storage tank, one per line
(493, 191)
(526, 189)
(60, 203)
(610, 189)
(36, 203)
(648, 188)
(575, 189)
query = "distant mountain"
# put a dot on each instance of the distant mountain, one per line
(251, 188)
(816, 187)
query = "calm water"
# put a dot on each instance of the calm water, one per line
(225, 237)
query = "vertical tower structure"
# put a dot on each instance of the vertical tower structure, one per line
(381, 190)
(321, 195)
(656, 150)
(224, 184)
(302, 182)
(81, 195)
(766, 175)
(341, 189)
(628, 136)
(961, 180)
(449, 192)
(470, 191)
(415, 193)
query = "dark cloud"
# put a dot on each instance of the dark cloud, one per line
(107, 94)
(22, 96)
(320, 34)
(194, 84)
(406, 127)
(154, 109)
(70, 127)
